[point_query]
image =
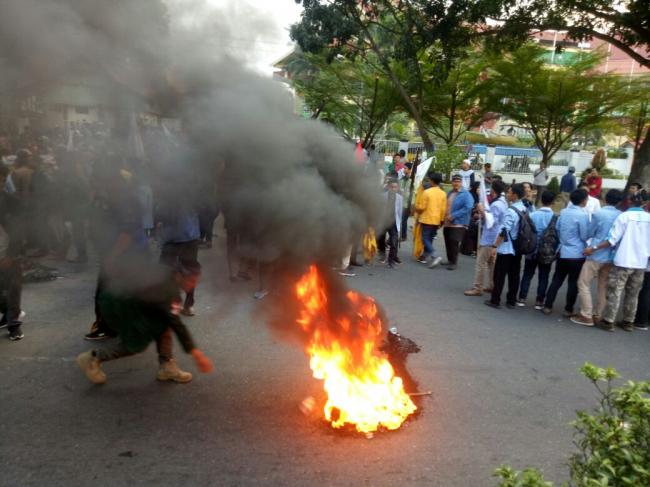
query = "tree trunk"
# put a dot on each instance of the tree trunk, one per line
(640, 172)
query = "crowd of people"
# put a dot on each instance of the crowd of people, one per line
(146, 232)
(596, 237)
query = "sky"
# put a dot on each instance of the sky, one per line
(260, 47)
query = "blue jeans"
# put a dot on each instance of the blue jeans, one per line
(428, 233)
(544, 270)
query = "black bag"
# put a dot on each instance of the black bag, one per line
(549, 243)
(526, 242)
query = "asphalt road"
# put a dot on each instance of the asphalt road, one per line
(505, 386)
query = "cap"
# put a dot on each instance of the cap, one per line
(456, 177)
(572, 169)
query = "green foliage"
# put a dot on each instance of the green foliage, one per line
(613, 440)
(617, 154)
(553, 103)
(554, 185)
(446, 159)
(530, 477)
(349, 95)
(476, 138)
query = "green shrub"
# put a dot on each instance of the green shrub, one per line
(617, 154)
(613, 440)
(554, 185)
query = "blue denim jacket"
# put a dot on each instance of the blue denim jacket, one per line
(511, 226)
(601, 223)
(461, 207)
(573, 230)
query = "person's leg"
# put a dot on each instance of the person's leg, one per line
(457, 234)
(632, 288)
(112, 351)
(482, 258)
(530, 264)
(405, 227)
(188, 253)
(168, 370)
(589, 271)
(79, 236)
(99, 330)
(543, 271)
(393, 242)
(13, 291)
(643, 305)
(561, 271)
(428, 232)
(575, 266)
(514, 270)
(165, 346)
(615, 285)
(603, 275)
(491, 263)
(501, 267)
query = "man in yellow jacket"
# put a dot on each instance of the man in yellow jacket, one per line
(431, 206)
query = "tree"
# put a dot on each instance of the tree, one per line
(636, 122)
(402, 36)
(553, 103)
(624, 24)
(349, 95)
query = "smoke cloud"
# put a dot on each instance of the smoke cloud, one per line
(289, 187)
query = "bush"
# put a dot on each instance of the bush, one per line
(617, 154)
(554, 185)
(613, 441)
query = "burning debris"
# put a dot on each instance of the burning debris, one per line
(343, 338)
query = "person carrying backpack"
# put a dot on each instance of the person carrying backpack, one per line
(573, 230)
(509, 247)
(543, 257)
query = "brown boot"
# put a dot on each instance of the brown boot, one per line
(91, 366)
(169, 371)
(474, 292)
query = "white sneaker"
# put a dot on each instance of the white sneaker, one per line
(435, 262)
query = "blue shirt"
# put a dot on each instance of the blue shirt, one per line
(601, 223)
(568, 183)
(181, 227)
(573, 230)
(541, 218)
(510, 226)
(461, 207)
(498, 210)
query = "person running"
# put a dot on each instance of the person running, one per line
(508, 262)
(11, 272)
(459, 210)
(142, 307)
(598, 264)
(431, 206)
(540, 177)
(485, 254)
(541, 218)
(630, 237)
(573, 230)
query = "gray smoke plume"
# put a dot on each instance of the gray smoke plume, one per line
(290, 188)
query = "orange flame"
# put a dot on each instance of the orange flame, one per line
(361, 387)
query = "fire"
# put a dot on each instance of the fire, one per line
(361, 387)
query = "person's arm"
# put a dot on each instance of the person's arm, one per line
(421, 202)
(583, 229)
(203, 363)
(443, 207)
(615, 234)
(506, 226)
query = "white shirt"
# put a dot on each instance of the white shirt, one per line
(593, 205)
(630, 236)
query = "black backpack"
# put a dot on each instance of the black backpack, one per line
(549, 243)
(526, 242)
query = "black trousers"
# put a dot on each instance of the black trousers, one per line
(643, 307)
(506, 265)
(11, 285)
(565, 268)
(184, 254)
(393, 243)
(453, 239)
(207, 216)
